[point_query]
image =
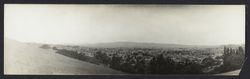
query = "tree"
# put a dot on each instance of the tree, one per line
(115, 62)
(232, 59)
(102, 57)
(45, 46)
(54, 48)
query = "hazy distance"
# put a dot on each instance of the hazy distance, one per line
(81, 24)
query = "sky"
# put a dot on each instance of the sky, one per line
(86, 23)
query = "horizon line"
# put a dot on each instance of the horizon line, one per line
(121, 42)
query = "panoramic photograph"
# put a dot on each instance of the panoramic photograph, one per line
(115, 39)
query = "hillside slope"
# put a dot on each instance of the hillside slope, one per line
(29, 59)
(235, 72)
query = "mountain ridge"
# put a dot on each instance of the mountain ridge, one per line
(126, 44)
(142, 45)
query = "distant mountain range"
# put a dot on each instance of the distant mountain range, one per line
(137, 45)
(145, 45)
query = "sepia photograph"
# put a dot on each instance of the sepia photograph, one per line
(123, 39)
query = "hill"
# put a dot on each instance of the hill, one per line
(144, 45)
(29, 59)
(235, 72)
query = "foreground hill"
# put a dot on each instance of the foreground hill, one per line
(235, 72)
(29, 59)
